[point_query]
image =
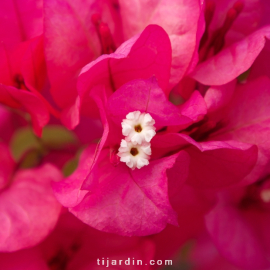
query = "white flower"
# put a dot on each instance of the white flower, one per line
(135, 156)
(138, 127)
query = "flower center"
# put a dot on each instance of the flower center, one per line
(138, 128)
(134, 151)
(134, 156)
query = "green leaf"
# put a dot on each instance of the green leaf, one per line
(56, 137)
(72, 164)
(23, 141)
(53, 137)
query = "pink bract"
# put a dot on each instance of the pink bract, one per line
(21, 21)
(30, 259)
(243, 216)
(21, 99)
(182, 20)
(20, 85)
(112, 71)
(231, 61)
(200, 68)
(29, 210)
(79, 45)
(247, 118)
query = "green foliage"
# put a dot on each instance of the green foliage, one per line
(28, 149)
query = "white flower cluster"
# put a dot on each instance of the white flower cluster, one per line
(138, 129)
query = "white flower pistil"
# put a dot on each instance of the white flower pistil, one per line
(135, 156)
(138, 127)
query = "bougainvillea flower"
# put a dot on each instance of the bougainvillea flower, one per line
(246, 119)
(101, 28)
(112, 71)
(238, 18)
(182, 21)
(25, 100)
(238, 113)
(150, 55)
(231, 42)
(23, 66)
(86, 197)
(115, 91)
(22, 79)
(29, 210)
(231, 61)
(243, 117)
(22, 61)
(242, 215)
(69, 25)
(137, 190)
(213, 163)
